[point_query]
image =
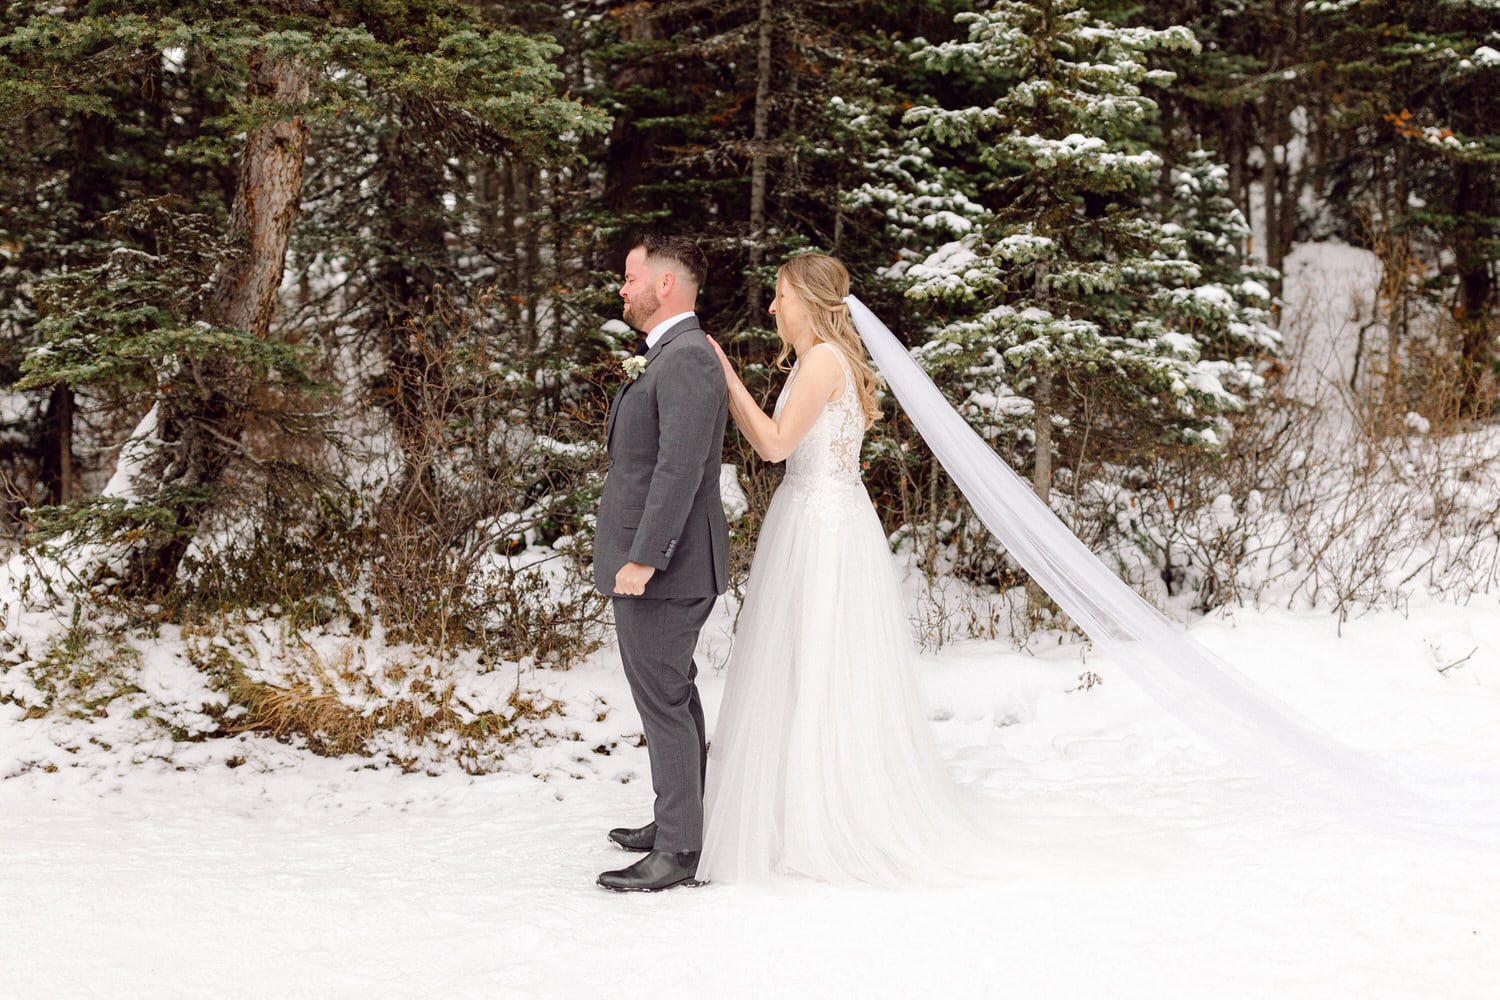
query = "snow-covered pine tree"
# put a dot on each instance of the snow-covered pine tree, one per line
(1227, 309)
(728, 126)
(202, 362)
(1062, 298)
(1223, 93)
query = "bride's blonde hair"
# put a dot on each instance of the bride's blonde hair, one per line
(821, 282)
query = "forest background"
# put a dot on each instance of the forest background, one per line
(308, 317)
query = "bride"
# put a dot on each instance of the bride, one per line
(823, 763)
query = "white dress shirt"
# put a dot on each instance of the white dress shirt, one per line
(663, 327)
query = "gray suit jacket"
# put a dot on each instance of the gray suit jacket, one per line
(661, 503)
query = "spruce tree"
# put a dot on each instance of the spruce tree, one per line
(69, 159)
(732, 125)
(1062, 297)
(205, 362)
(1225, 95)
(1227, 308)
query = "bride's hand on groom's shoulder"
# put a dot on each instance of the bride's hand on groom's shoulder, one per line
(729, 373)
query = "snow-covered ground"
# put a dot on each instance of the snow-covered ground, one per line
(1136, 864)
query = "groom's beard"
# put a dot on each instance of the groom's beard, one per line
(639, 310)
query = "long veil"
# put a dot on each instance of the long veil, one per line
(1192, 683)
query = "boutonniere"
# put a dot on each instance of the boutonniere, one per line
(633, 367)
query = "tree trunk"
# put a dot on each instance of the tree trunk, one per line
(266, 200)
(1272, 138)
(89, 188)
(1271, 188)
(759, 156)
(412, 267)
(56, 464)
(1476, 289)
(1041, 475)
(1287, 187)
(1397, 240)
(534, 278)
(1292, 180)
(1234, 155)
(1041, 425)
(629, 144)
(487, 183)
(200, 425)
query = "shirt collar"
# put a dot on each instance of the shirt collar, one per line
(664, 326)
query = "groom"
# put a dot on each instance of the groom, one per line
(661, 548)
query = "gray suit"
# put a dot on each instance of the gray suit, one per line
(661, 508)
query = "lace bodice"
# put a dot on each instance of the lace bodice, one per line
(824, 467)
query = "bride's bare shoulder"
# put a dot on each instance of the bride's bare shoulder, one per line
(825, 363)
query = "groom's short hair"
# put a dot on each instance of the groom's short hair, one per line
(680, 250)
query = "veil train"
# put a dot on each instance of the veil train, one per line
(1192, 683)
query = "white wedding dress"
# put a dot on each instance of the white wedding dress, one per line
(822, 763)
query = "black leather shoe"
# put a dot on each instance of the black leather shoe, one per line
(656, 871)
(641, 838)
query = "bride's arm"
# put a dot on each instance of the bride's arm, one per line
(819, 379)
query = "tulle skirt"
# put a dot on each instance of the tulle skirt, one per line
(822, 763)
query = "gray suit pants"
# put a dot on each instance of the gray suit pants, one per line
(657, 637)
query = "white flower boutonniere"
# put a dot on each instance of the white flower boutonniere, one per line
(633, 367)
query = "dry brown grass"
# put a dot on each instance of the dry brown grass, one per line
(319, 701)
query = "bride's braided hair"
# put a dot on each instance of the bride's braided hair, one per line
(822, 282)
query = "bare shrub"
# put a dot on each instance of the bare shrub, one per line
(484, 537)
(1343, 495)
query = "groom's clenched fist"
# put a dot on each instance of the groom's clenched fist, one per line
(632, 579)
